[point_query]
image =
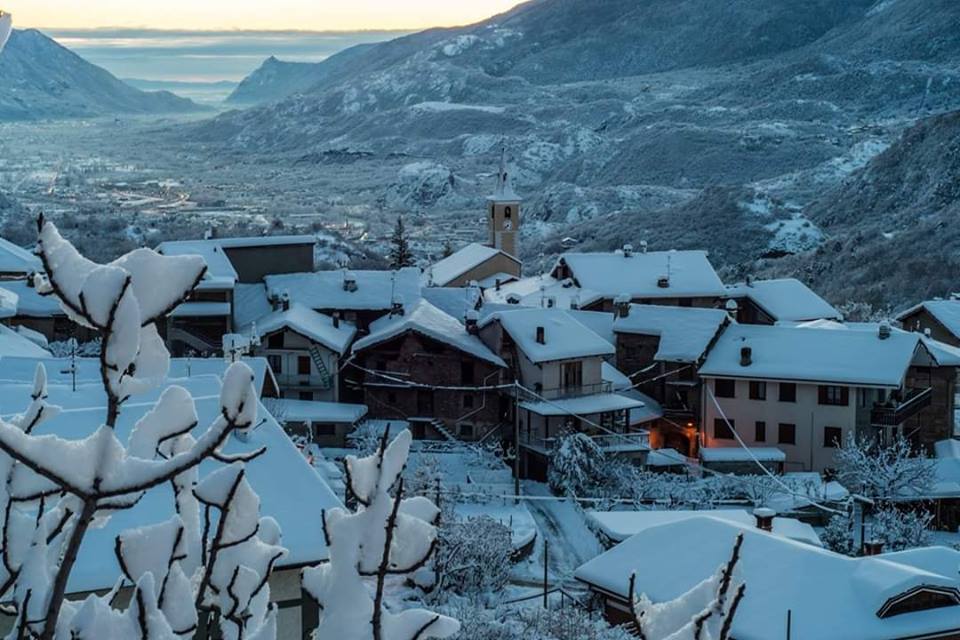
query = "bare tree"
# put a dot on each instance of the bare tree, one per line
(55, 488)
(884, 472)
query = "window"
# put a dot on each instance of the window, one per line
(466, 372)
(306, 395)
(723, 388)
(572, 374)
(836, 396)
(276, 364)
(303, 365)
(832, 437)
(466, 430)
(787, 433)
(758, 390)
(325, 429)
(721, 430)
(788, 392)
(468, 401)
(760, 431)
(275, 341)
(508, 212)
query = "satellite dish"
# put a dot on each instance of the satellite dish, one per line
(6, 26)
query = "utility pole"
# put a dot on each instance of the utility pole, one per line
(546, 564)
(516, 442)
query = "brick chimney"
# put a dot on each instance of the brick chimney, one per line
(473, 322)
(746, 356)
(872, 547)
(541, 335)
(349, 281)
(622, 306)
(764, 518)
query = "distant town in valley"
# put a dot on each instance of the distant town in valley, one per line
(598, 319)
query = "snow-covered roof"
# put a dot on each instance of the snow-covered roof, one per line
(666, 458)
(16, 259)
(29, 301)
(830, 595)
(620, 525)
(290, 491)
(13, 344)
(310, 324)
(946, 312)
(8, 303)
(541, 291)
(454, 301)
(618, 381)
(565, 338)
(813, 355)
(375, 291)
(491, 281)
(445, 271)
(201, 309)
(637, 274)
(739, 454)
(250, 303)
(220, 272)
(600, 322)
(650, 411)
(285, 409)
(427, 320)
(264, 241)
(583, 405)
(685, 332)
(785, 299)
(945, 355)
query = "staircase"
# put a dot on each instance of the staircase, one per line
(203, 344)
(441, 428)
(326, 380)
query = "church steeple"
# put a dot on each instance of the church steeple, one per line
(504, 211)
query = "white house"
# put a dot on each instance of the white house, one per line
(822, 594)
(804, 390)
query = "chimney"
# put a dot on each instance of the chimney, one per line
(643, 246)
(541, 335)
(622, 306)
(884, 331)
(349, 281)
(497, 285)
(764, 518)
(472, 322)
(872, 547)
(746, 356)
(396, 306)
(749, 280)
(663, 282)
(927, 333)
(336, 320)
(733, 309)
(285, 301)
(627, 250)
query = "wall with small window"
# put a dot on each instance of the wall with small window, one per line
(801, 419)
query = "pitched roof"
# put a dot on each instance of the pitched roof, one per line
(427, 320)
(813, 355)
(12, 343)
(29, 301)
(454, 301)
(220, 272)
(620, 525)
(445, 271)
(566, 338)
(785, 299)
(376, 290)
(310, 324)
(541, 291)
(828, 594)
(946, 312)
(637, 275)
(685, 332)
(16, 259)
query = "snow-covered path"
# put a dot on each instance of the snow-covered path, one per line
(563, 526)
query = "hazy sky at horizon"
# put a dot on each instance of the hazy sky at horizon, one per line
(252, 15)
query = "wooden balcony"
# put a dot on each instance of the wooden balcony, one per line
(899, 412)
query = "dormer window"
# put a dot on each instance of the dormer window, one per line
(920, 598)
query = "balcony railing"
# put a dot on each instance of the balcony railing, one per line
(917, 400)
(609, 443)
(558, 393)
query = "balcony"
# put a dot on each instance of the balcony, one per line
(558, 393)
(899, 412)
(632, 442)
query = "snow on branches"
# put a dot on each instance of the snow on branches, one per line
(386, 536)
(705, 612)
(884, 473)
(54, 489)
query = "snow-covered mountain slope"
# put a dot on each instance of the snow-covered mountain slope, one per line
(659, 111)
(41, 79)
(6, 25)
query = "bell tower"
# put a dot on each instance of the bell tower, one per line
(503, 212)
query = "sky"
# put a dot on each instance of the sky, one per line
(315, 15)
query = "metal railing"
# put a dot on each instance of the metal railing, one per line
(558, 393)
(620, 442)
(917, 400)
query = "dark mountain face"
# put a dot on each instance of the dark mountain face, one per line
(41, 79)
(891, 228)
